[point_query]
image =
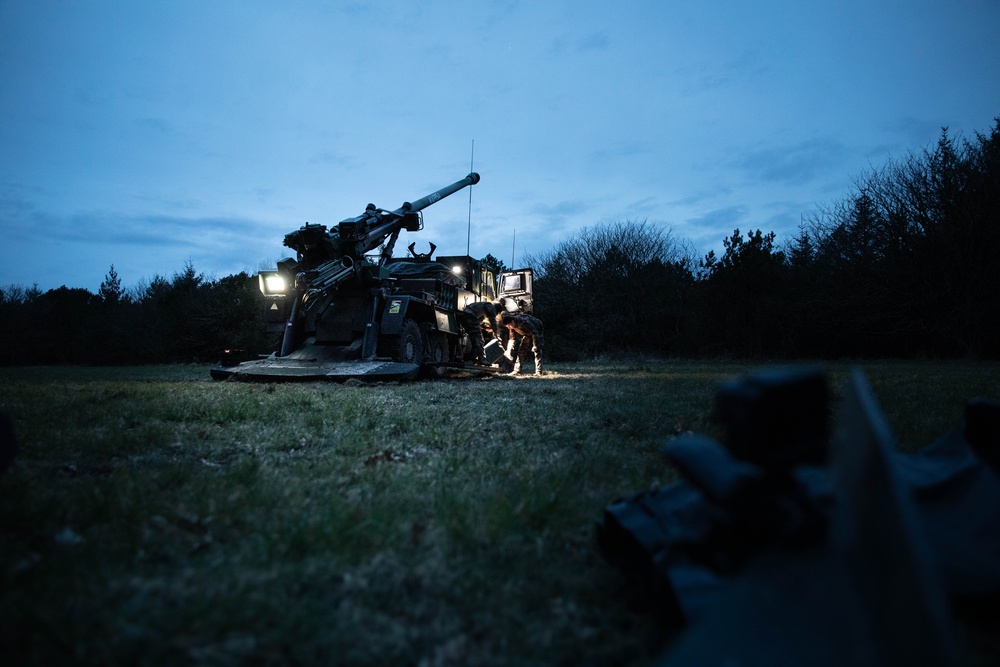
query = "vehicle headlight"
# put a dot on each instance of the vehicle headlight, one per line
(272, 283)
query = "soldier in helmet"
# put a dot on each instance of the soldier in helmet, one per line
(472, 317)
(524, 330)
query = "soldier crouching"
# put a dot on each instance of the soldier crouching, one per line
(524, 330)
(471, 318)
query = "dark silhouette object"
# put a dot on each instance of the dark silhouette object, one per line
(8, 443)
(982, 430)
(791, 546)
(421, 256)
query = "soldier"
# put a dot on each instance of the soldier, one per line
(472, 321)
(524, 330)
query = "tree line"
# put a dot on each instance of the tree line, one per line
(186, 318)
(903, 266)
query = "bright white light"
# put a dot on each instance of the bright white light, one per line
(457, 270)
(274, 284)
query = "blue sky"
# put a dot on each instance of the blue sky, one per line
(149, 134)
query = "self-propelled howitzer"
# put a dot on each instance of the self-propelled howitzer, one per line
(344, 311)
(328, 259)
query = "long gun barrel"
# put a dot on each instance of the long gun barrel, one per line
(397, 220)
(424, 202)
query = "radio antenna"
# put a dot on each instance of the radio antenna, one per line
(513, 240)
(468, 236)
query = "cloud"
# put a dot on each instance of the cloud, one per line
(910, 135)
(160, 230)
(157, 125)
(792, 165)
(644, 205)
(598, 41)
(785, 225)
(563, 209)
(334, 158)
(703, 195)
(595, 41)
(22, 220)
(13, 204)
(914, 132)
(52, 249)
(624, 149)
(700, 76)
(722, 218)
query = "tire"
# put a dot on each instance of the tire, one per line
(435, 352)
(408, 346)
(437, 348)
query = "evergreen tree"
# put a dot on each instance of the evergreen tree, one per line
(495, 264)
(110, 291)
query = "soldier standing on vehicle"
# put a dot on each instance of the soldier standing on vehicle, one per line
(472, 321)
(524, 330)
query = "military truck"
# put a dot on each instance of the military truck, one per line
(344, 307)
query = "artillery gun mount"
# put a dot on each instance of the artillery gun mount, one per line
(345, 308)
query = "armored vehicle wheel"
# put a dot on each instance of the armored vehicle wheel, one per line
(436, 352)
(408, 346)
(437, 348)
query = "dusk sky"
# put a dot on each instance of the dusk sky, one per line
(150, 134)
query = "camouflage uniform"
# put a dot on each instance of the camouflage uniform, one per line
(525, 330)
(471, 319)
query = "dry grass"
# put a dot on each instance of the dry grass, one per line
(156, 517)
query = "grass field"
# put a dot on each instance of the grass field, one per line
(154, 516)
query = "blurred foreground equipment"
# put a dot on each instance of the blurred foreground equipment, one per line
(792, 545)
(8, 442)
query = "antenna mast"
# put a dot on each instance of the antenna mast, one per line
(468, 235)
(512, 241)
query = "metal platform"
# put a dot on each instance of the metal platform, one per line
(312, 363)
